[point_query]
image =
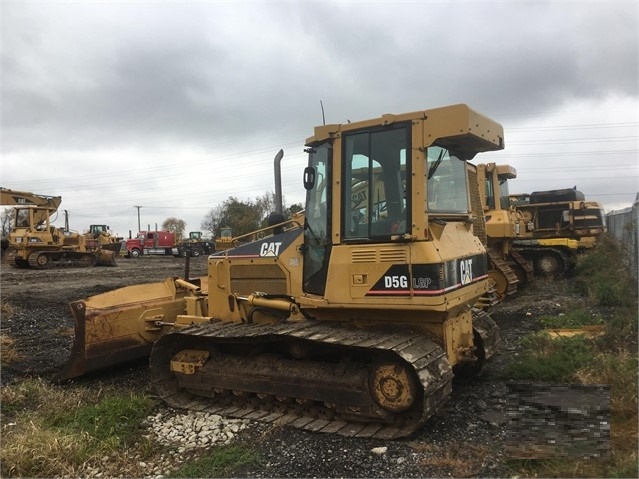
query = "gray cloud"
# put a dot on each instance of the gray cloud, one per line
(99, 78)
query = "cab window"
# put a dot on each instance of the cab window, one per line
(375, 190)
(446, 182)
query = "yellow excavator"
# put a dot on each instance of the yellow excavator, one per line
(35, 243)
(349, 318)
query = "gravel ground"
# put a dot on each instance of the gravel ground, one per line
(465, 438)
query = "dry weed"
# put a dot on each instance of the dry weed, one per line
(43, 397)
(66, 332)
(459, 460)
(8, 351)
(6, 309)
(620, 372)
(29, 450)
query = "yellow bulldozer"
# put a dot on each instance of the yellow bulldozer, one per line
(351, 318)
(35, 243)
(561, 225)
(504, 225)
(225, 240)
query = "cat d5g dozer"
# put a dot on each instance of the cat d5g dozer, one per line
(353, 321)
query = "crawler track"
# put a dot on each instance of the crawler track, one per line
(549, 261)
(61, 259)
(309, 375)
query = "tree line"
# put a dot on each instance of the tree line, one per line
(242, 216)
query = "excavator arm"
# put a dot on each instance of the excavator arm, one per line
(45, 206)
(24, 198)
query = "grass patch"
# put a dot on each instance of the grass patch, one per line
(547, 359)
(604, 276)
(50, 431)
(31, 450)
(115, 418)
(219, 462)
(621, 332)
(620, 372)
(35, 396)
(573, 319)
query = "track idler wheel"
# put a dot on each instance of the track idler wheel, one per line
(39, 260)
(392, 386)
(550, 264)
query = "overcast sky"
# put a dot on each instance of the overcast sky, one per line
(175, 106)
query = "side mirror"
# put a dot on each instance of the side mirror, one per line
(309, 178)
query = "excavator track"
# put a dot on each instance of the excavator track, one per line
(61, 259)
(305, 374)
(549, 261)
(14, 260)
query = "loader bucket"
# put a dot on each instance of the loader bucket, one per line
(115, 247)
(121, 325)
(106, 257)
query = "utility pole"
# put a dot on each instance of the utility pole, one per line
(138, 207)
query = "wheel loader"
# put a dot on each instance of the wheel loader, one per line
(352, 317)
(35, 243)
(102, 234)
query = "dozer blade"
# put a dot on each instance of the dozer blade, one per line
(121, 325)
(106, 258)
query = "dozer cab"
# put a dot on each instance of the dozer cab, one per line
(225, 240)
(351, 318)
(35, 243)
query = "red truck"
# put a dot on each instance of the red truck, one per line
(150, 242)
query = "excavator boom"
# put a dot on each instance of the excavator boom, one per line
(24, 198)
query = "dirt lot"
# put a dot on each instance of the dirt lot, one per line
(465, 438)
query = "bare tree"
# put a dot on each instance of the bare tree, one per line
(176, 226)
(265, 205)
(291, 210)
(243, 216)
(6, 222)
